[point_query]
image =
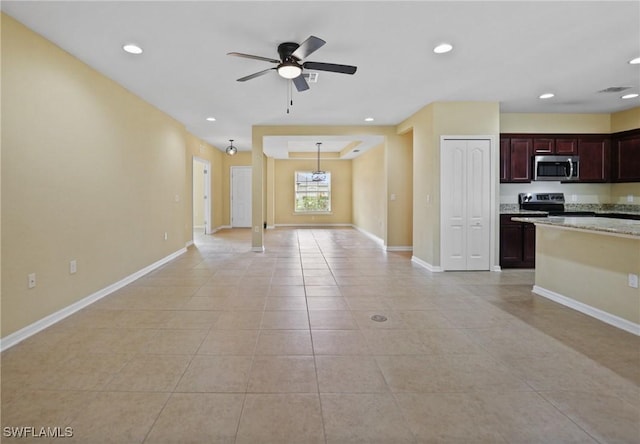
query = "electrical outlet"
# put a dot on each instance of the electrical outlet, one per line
(574, 198)
(633, 280)
(166, 235)
(73, 267)
(31, 280)
(630, 198)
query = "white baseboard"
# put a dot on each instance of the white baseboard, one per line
(371, 236)
(601, 315)
(30, 330)
(188, 243)
(258, 249)
(428, 266)
(312, 225)
(271, 227)
(496, 268)
(399, 248)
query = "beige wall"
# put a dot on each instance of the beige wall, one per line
(89, 172)
(625, 120)
(554, 123)
(399, 174)
(369, 192)
(198, 194)
(590, 268)
(428, 125)
(341, 202)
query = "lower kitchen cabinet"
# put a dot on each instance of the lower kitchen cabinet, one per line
(517, 243)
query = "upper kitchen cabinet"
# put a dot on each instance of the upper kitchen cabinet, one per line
(515, 159)
(555, 145)
(625, 156)
(595, 158)
(505, 158)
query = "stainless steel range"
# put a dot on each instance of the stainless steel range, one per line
(553, 203)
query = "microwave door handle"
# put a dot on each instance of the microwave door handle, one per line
(570, 169)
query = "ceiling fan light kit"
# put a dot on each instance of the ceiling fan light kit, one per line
(289, 70)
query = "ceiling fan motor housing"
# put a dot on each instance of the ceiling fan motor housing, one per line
(286, 49)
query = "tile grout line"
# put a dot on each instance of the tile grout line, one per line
(313, 351)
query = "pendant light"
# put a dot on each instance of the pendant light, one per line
(231, 150)
(318, 175)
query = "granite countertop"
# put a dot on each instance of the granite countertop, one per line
(607, 225)
(519, 212)
(596, 208)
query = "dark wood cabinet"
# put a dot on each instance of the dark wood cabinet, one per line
(515, 159)
(520, 152)
(625, 156)
(505, 159)
(555, 145)
(566, 145)
(595, 157)
(544, 146)
(603, 157)
(517, 243)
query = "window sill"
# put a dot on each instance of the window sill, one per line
(312, 213)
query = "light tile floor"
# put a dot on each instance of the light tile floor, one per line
(223, 345)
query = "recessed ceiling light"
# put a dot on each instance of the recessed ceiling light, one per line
(442, 48)
(211, 119)
(369, 119)
(132, 48)
(630, 96)
(635, 61)
(547, 95)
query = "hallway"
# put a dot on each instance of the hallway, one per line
(223, 345)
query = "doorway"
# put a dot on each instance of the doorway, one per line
(201, 196)
(241, 196)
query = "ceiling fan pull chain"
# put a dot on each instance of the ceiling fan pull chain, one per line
(288, 93)
(289, 96)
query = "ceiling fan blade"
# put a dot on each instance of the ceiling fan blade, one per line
(249, 56)
(310, 45)
(301, 83)
(255, 74)
(331, 67)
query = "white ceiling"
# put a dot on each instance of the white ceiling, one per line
(507, 51)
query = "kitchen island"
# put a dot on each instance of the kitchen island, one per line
(588, 264)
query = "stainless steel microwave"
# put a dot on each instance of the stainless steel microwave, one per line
(556, 168)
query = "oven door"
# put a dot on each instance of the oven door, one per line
(557, 168)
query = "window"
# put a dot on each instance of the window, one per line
(312, 196)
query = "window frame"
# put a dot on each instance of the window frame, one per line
(297, 192)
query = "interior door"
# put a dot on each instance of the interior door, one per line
(201, 201)
(465, 204)
(241, 197)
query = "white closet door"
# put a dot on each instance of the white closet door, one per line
(453, 205)
(465, 204)
(478, 204)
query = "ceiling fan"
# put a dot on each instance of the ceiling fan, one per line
(290, 65)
